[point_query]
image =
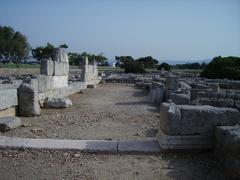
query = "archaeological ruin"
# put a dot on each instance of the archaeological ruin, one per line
(195, 114)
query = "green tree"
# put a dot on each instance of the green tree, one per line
(43, 52)
(123, 60)
(74, 59)
(134, 67)
(13, 45)
(64, 46)
(148, 61)
(101, 59)
(46, 52)
(164, 66)
(223, 67)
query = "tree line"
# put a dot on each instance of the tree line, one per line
(14, 47)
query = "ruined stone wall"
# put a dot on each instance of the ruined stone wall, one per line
(192, 127)
(219, 99)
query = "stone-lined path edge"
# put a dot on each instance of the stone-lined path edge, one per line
(103, 146)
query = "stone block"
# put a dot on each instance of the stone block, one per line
(45, 83)
(170, 118)
(183, 85)
(9, 122)
(61, 69)
(194, 93)
(180, 98)
(59, 81)
(172, 83)
(47, 67)
(215, 88)
(195, 120)
(28, 100)
(57, 103)
(200, 86)
(61, 55)
(201, 120)
(227, 149)
(157, 93)
(8, 98)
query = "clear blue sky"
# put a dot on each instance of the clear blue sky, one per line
(164, 29)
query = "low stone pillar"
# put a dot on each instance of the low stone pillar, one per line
(215, 88)
(157, 93)
(172, 83)
(28, 100)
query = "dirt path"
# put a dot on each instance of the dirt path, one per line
(72, 165)
(111, 111)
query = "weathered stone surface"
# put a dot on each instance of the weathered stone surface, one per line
(59, 81)
(203, 119)
(180, 98)
(215, 87)
(228, 148)
(184, 85)
(57, 103)
(216, 102)
(194, 93)
(61, 69)
(195, 120)
(8, 98)
(9, 122)
(47, 67)
(157, 93)
(28, 100)
(45, 83)
(172, 82)
(170, 118)
(61, 55)
(200, 86)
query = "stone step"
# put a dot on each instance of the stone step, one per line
(103, 146)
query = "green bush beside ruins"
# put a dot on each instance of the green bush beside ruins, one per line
(223, 67)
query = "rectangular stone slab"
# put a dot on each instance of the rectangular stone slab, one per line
(8, 98)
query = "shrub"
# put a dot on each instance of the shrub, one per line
(223, 67)
(134, 67)
(166, 66)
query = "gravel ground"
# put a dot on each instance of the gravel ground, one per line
(74, 165)
(111, 111)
